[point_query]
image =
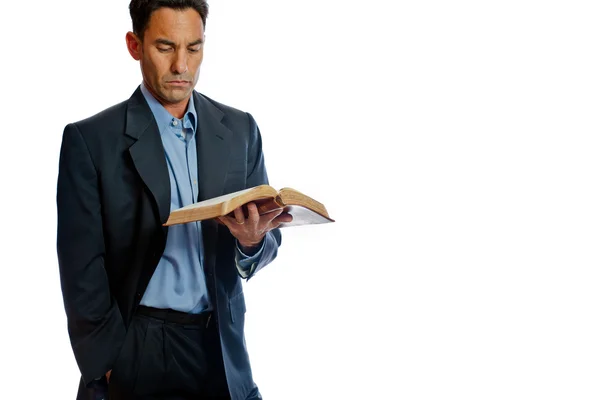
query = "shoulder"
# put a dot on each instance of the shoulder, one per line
(110, 119)
(101, 134)
(225, 109)
(233, 118)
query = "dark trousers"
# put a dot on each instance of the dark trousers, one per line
(169, 355)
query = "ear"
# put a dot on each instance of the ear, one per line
(134, 45)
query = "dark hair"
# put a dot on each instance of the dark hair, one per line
(141, 10)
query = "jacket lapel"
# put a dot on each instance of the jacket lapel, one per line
(148, 154)
(213, 144)
(213, 141)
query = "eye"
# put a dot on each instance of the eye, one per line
(164, 49)
(194, 49)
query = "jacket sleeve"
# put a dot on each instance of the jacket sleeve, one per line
(257, 175)
(95, 325)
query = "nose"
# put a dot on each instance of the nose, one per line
(179, 65)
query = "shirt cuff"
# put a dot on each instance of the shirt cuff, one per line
(247, 264)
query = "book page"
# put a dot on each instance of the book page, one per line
(217, 200)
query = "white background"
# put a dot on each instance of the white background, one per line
(455, 143)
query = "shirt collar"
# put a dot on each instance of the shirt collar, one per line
(163, 117)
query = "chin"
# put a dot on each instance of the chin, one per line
(175, 96)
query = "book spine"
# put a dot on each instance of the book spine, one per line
(269, 205)
(279, 201)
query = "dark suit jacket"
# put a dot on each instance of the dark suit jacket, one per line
(113, 197)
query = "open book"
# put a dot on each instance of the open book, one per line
(303, 209)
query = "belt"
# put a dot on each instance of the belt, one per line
(176, 317)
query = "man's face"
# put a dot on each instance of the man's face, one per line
(171, 54)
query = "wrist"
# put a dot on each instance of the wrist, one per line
(249, 248)
(246, 248)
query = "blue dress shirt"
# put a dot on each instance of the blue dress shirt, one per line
(178, 282)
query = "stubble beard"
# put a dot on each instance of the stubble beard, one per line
(173, 96)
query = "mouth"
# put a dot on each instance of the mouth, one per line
(178, 83)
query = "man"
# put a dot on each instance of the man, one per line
(156, 312)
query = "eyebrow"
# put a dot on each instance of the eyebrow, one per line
(196, 42)
(172, 44)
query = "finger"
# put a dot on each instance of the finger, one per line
(271, 215)
(253, 216)
(228, 222)
(283, 218)
(239, 215)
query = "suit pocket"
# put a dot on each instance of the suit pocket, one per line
(237, 307)
(151, 358)
(124, 370)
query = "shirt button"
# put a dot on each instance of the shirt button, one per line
(175, 122)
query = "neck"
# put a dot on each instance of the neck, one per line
(175, 109)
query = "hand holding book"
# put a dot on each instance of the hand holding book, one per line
(303, 209)
(250, 231)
